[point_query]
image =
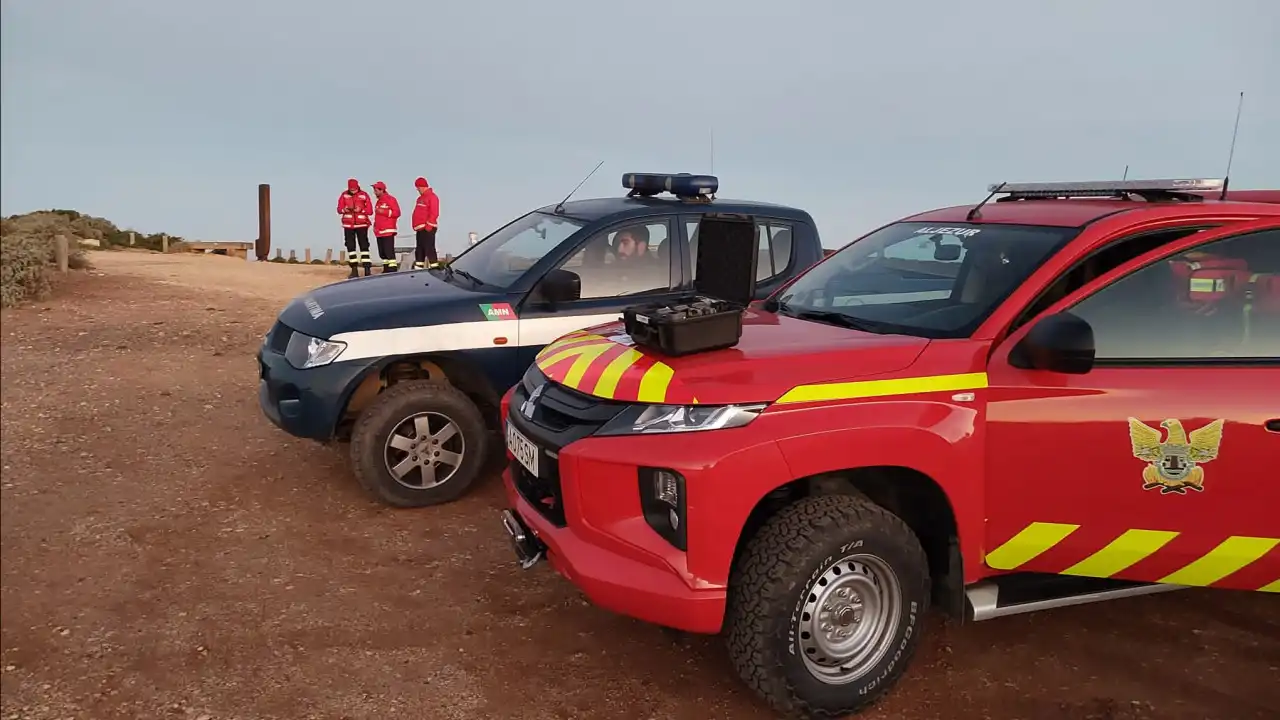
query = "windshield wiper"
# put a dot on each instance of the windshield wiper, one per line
(837, 318)
(467, 275)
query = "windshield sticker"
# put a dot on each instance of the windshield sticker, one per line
(953, 231)
(1173, 460)
(498, 311)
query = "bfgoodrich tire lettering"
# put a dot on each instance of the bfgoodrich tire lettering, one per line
(770, 594)
(388, 414)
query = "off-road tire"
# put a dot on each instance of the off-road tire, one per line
(391, 407)
(792, 549)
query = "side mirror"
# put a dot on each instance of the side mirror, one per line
(1061, 343)
(947, 253)
(559, 286)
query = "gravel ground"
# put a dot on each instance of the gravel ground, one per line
(169, 554)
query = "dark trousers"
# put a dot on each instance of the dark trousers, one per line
(426, 249)
(352, 236)
(387, 251)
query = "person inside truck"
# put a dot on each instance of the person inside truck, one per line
(631, 244)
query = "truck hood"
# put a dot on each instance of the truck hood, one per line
(776, 353)
(397, 300)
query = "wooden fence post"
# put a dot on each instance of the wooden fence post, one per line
(293, 256)
(132, 238)
(62, 253)
(307, 256)
(342, 256)
(328, 256)
(277, 253)
(164, 243)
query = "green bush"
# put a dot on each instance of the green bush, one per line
(27, 265)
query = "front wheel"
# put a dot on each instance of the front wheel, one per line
(825, 606)
(420, 443)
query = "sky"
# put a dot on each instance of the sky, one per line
(165, 115)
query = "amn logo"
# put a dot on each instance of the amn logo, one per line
(498, 311)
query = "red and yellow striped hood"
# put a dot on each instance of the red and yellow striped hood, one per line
(776, 355)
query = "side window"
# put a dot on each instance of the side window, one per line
(773, 249)
(630, 260)
(1219, 300)
(1101, 262)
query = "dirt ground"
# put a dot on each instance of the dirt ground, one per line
(167, 553)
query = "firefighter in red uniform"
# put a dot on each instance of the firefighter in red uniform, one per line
(386, 214)
(426, 216)
(355, 208)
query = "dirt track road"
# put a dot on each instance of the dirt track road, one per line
(169, 554)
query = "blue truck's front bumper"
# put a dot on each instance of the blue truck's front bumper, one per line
(306, 403)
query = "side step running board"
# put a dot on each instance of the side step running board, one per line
(1024, 593)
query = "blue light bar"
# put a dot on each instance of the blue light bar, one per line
(680, 184)
(1107, 188)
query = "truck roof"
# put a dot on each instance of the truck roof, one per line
(1078, 212)
(596, 208)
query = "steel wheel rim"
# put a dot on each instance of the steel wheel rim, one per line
(424, 450)
(849, 616)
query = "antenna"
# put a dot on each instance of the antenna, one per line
(1231, 154)
(976, 211)
(712, 171)
(560, 205)
(1126, 173)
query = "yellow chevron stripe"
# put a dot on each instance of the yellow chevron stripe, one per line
(561, 343)
(824, 392)
(1121, 553)
(1028, 544)
(1271, 587)
(607, 385)
(586, 356)
(653, 386)
(1234, 553)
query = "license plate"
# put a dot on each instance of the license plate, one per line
(523, 449)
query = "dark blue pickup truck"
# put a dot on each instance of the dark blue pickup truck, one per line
(410, 367)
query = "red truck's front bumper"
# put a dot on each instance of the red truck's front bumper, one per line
(610, 552)
(627, 581)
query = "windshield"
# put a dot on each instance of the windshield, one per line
(504, 256)
(936, 281)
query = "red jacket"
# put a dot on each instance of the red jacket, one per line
(355, 208)
(385, 215)
(426, 214)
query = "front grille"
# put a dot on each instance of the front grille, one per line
(542, 492)
(278, 339)
(561, 416)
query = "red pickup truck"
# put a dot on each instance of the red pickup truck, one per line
(1065, 395)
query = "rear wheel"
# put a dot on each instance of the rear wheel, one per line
(420, 443)
(825, 606)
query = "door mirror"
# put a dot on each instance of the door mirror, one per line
(1060, 343)
(560, 286)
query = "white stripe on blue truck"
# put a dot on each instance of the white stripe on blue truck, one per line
(463, 336)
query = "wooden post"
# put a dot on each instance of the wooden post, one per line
(307, 256)
(328, 256)
(164, 243)
(62, 253)
(342, 256)
(264, 221)
(132, 238)
(293, 256)
(277, 253)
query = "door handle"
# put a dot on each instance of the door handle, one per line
(1272, 425)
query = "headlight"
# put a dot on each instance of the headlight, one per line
(305, 351)
(648, 419)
